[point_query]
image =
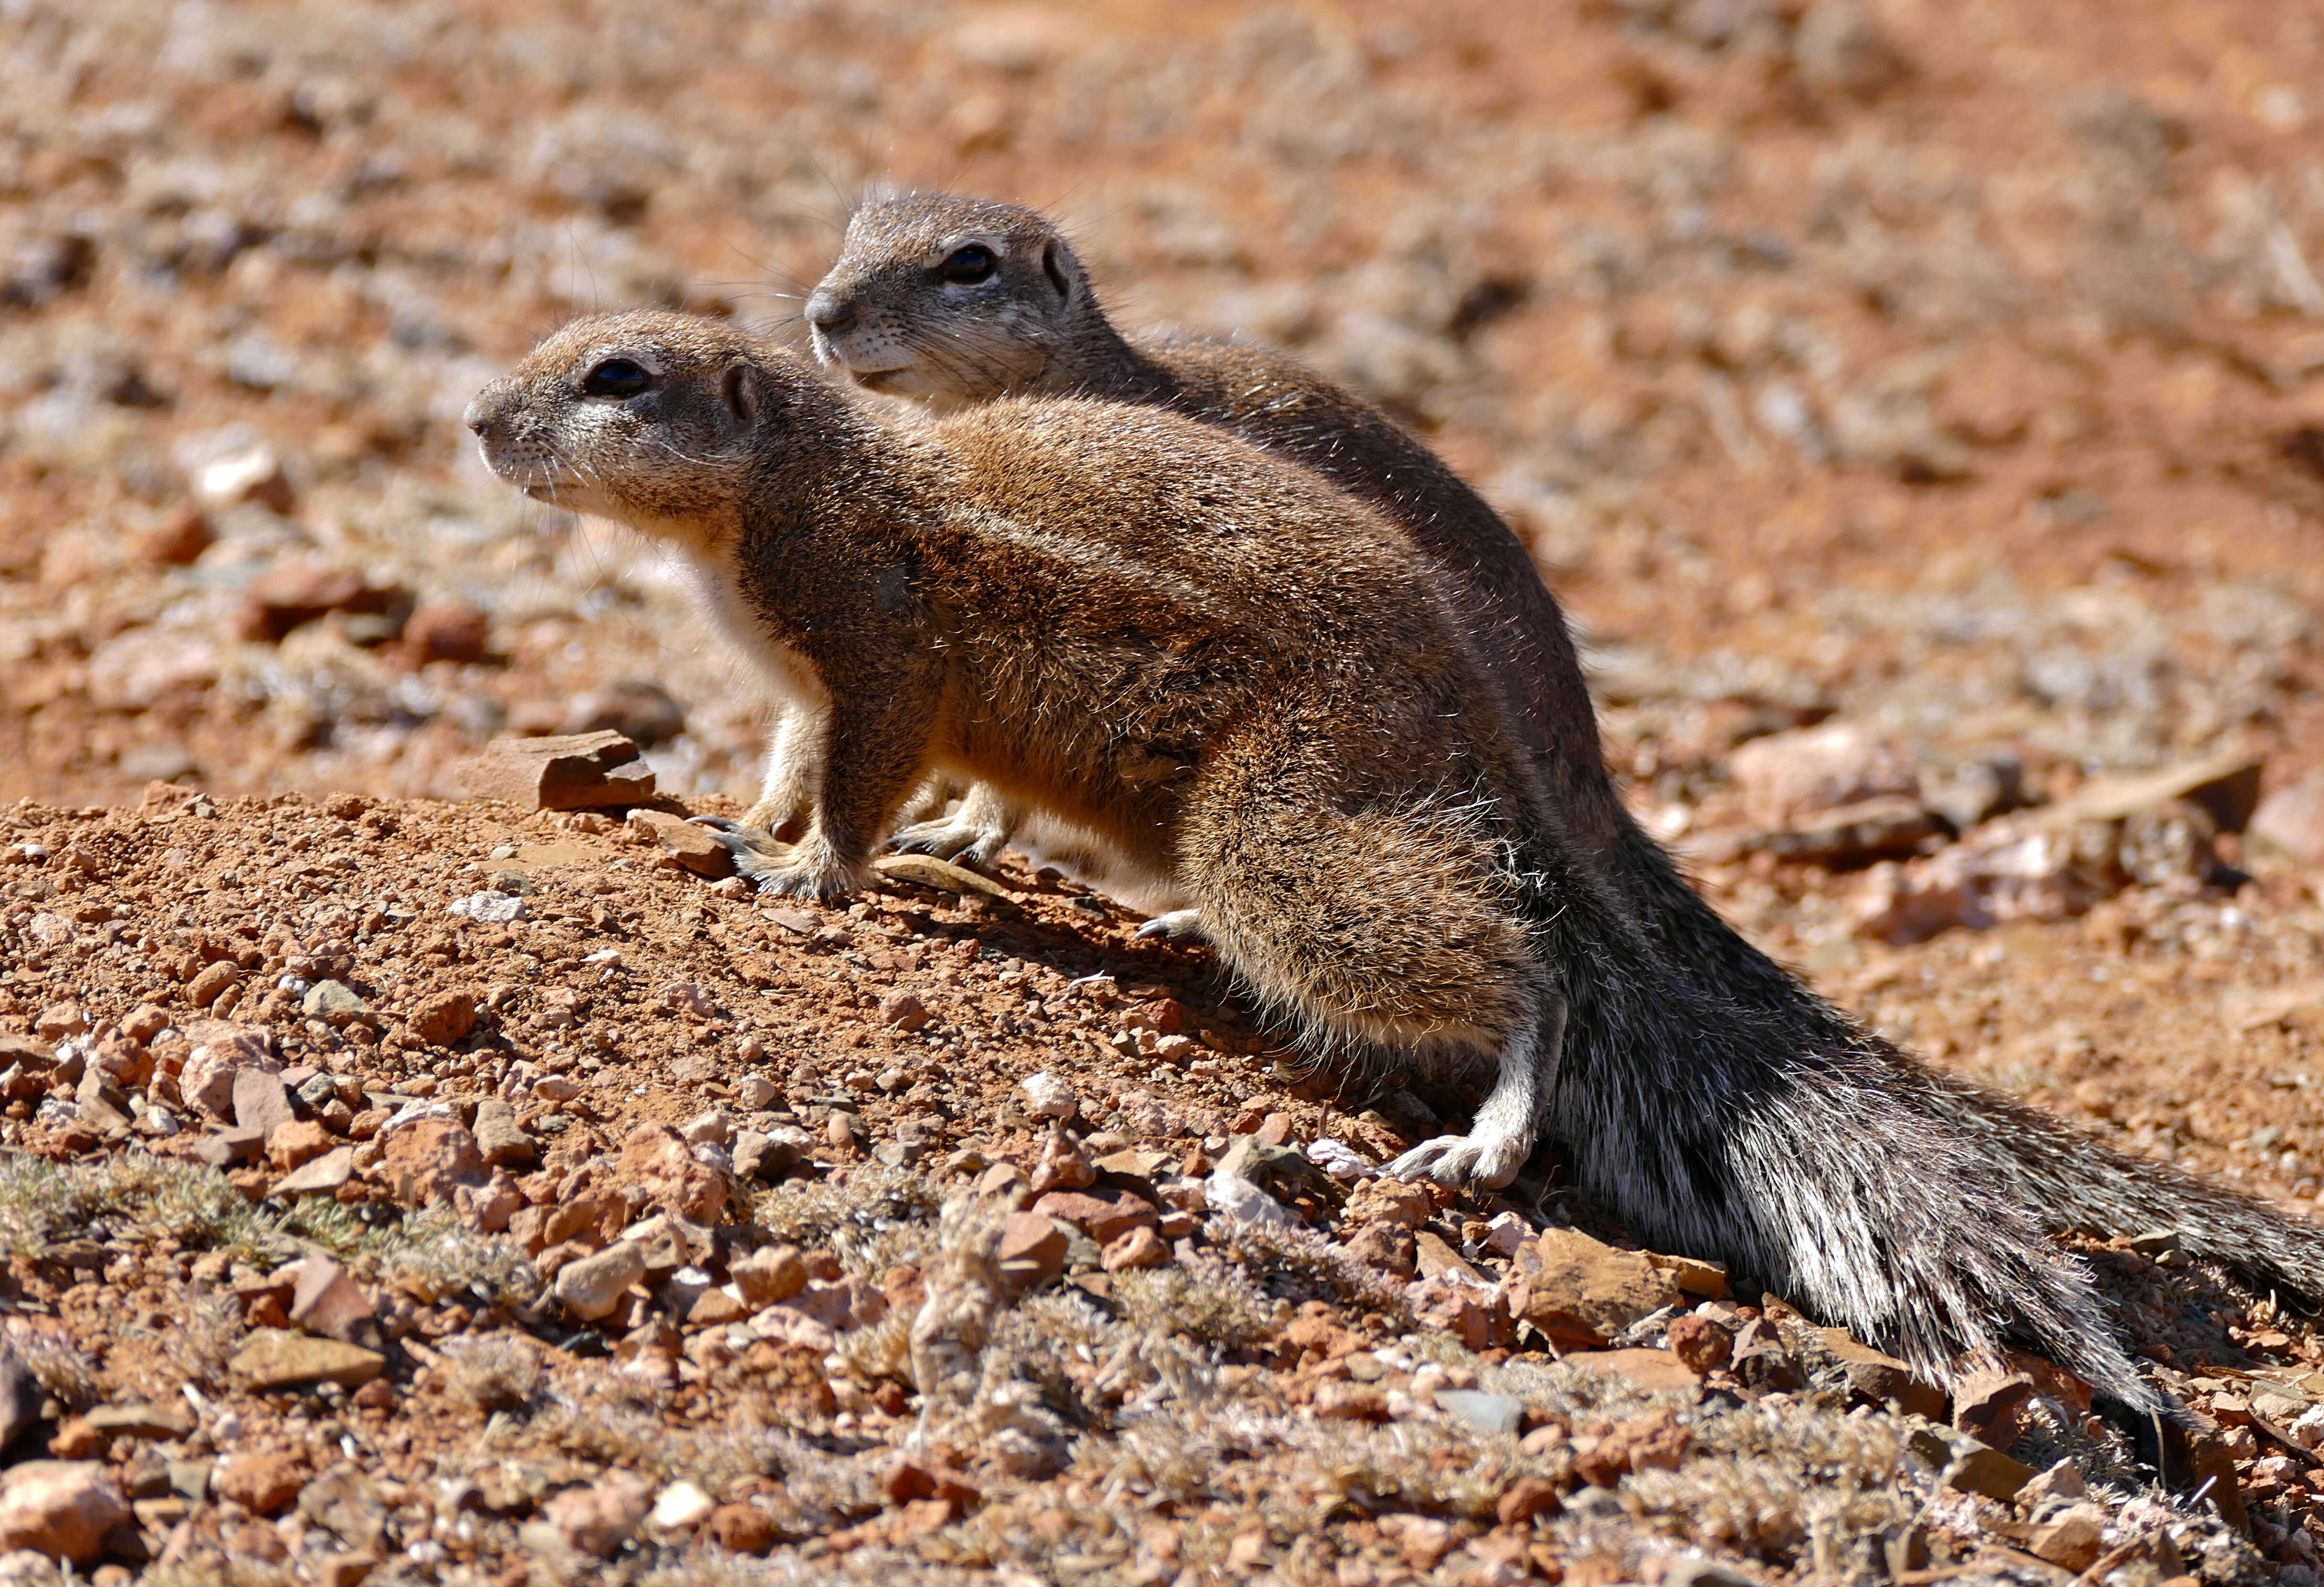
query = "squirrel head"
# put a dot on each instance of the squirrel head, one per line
(648, 418)
(949, 300)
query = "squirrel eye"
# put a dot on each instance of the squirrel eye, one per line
(615, 377)
(969, 265)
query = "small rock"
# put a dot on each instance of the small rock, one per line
(2291, 820)
(1704, 1345)
(758, 1155)
(326, 1299)
(681, 1505)
(333, 1001)
(2062, 1480)
(1966, 1465)
(1525, 1498)
(741, 1528)
(141, 1419)
(1050, 1097)
(754, 1093)
(444, 1019)
(937, 875)
(1651, 1443)
(328, 1172)
(344, 1570)
(839, 1130)
(1385, 1247)
(1032, 1252)
(1988, 1403)
(2072, 1539)
(498, 1137)
(489, 909)
(580, 771)
(1581, 1292)
(1702, 1280)
(427, 1162)
(203, 989)
(260, 1100)
(1784, 776)
(61, 1509)
(299, 1142)
(769, 1276)
(599, 1520)
(1064, 1166)
(288, 597)
(1234, 1197)
(1494, 1415)
(1647, 1369)
(591, 1288)
(448, 630)
(1351, 1402)
(1340, 1160)
(659, 1160)
(713, 1128)
(1140, 1248)
(263, 1484)
(1104, 1215)
(1393, 1201)
(902, 1010)
(1508, 1230)
(275, 1358)
(1878, 1377)
(697, 848)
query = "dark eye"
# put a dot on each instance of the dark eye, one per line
(616, 377)
(969, 265)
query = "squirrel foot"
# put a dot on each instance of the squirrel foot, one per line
(1460, 1161)
(957, 836)
(807, 869)
(1177, 926)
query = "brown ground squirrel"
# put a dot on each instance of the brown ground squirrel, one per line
(950, 300)
(1251, 685)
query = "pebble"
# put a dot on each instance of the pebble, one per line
(1050, 1097)
(713, 1128)
(326, 1299)
(61, 1509)
(754, 1093)
(591, 1288)
(276, 1357)
(1238, 1198)
(598, 1520)
(681, 1505)
(494, 908)
(1784, 776)
(331, 1000)
(498, 1137)
(1496, 1415)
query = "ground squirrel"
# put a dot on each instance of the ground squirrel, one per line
(952, 301)
(1251, 685)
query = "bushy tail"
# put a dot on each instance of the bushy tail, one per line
(2072, 1182)
(1819, 1167)
(2082, 1184)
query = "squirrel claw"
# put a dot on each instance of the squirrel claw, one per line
(1177, 926)
(1459, 1161)
(739, 840)
(969, 843)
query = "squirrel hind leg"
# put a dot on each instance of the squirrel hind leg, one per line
(1502, 1134)
(979, 831)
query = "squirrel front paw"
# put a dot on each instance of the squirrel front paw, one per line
(1485, 1160)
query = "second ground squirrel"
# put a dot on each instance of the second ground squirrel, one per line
(950, 300)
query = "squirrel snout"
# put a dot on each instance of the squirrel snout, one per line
(828, 314)
(480, 416)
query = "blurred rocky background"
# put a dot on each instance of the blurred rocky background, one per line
(1944, 385)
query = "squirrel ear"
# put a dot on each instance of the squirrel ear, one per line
(1052, 266)
(741, 390)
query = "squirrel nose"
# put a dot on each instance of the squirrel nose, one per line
(827, 314)
(479, 417)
